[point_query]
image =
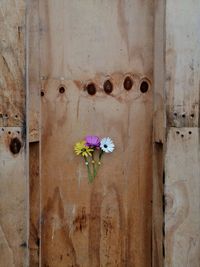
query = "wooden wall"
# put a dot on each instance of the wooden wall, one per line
(182, 168)
(121, 219)
(13, 157)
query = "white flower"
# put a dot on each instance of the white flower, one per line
(107, 145)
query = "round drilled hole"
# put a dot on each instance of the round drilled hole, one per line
(9, 132)
(61, 90)
(175, 114)
(108, 87)
(183, 115)
(190, 132)
(42, 93)
(144, 86)
(128, 83)
(2, 129)
(177, 132)
(182, 135)
(192, 115)
(91, 89)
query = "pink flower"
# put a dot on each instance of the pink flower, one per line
(92, 141)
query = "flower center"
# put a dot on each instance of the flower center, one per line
(105, 146)
(83, 149)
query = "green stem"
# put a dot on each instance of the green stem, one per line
(90, 178)
(93, 166)
(100, 156)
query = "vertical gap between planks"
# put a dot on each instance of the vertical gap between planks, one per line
(27, 124)
(158, 135)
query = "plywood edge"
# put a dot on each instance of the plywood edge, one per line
(159, 129)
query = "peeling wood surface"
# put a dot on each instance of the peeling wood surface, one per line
(13, 201)
(12, 63)
(182, 63)
(182, 220)
(107, 223)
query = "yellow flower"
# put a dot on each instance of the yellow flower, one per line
(81, 149)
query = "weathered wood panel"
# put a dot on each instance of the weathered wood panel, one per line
(34, 69)
(13, 171)
(182, 62)
(13, 201)
(182, 160)
(12, 63)
(107, 223)
(182, 220)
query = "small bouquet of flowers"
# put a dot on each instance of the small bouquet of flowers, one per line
(88, 149)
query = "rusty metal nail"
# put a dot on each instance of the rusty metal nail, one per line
(108, 87)
(128, 83)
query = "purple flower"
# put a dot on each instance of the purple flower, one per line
(92, 141)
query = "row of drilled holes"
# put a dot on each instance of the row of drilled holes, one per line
(182, 135)
(6, 116)
(183, 115)
(108, 87)
(9, 132)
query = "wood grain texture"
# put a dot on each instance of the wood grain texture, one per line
(182, 63)
(182, 220)
(13, 200)
(109, 222)
(12, 63)
(13, 176)
(34, 70)
(34, 229)
(182, 159)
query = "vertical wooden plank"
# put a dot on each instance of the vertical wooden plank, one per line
(34, 136)
(108, 222)
(13, 171)
(34, 70)
(12, 63)
(34, 235)
(182, 63)
(182, 159)
(34, 119)
(13, 198)
(182, 191)
(158, 133)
